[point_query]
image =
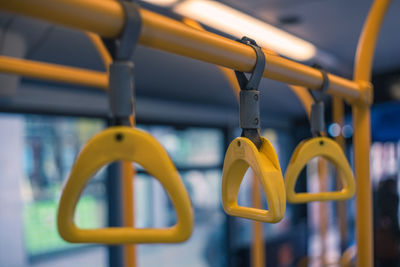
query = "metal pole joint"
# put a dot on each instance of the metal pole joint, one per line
(367, 93)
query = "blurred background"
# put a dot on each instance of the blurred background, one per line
(189, 107)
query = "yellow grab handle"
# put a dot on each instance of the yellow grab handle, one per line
(241, 155)
(304, 152)
(124, 144)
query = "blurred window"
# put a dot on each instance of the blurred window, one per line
(51, 144)
(385, 159)
(198, 156)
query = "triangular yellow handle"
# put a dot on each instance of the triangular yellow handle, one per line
(124, 144)
(241, 155)
(304, 152)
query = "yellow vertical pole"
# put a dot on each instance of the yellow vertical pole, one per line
(258, 245)
(338, 117)
(362, 142)
(128, 170)
(128, 181)
(128, 175)
(323, 206)
(362, 133)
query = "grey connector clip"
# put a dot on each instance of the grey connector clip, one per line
(121, 72)
(121, 84)
(317, 120)
(249, 103)
(249, 109)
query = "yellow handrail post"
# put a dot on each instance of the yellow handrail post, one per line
(128, 178)
(323, 206)
(362, 133)
(128, 181)
(128, 170)
(338, 117)
(258, 245)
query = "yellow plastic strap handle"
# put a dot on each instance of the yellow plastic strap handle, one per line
(124, 144)
(318, 147)
(241, 155)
